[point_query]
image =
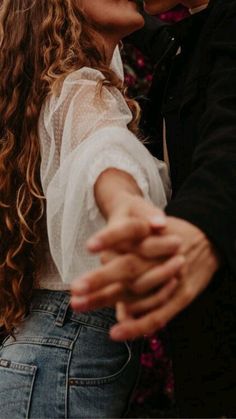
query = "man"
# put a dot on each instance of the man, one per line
(193, 101)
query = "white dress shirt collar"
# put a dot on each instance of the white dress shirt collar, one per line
(198, 9)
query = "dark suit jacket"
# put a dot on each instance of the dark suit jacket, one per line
(195, 92)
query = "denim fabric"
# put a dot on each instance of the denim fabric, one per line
(63, 365)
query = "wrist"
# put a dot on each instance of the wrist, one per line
(123, 205)
(195, 241)
(113, 189)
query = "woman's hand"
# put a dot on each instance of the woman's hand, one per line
(126, 230)
(131, 219)
(115, 281)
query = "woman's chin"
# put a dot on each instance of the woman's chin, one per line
(140, 22)
(136, 19)
(134, 26)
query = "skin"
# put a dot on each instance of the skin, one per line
(160, 6)
(131, 219)
(114, 19)
(153, 288)
(155, 268)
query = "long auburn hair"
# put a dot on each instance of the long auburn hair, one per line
(41, 42)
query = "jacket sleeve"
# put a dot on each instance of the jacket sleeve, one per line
(208, 197)
(155, 40)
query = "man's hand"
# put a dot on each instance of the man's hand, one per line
(147, 315)
(159, 289)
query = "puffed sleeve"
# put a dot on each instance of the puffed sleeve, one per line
(83, 131)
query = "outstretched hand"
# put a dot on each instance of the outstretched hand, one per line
(152, 312)
(135, 221)
(154, 289)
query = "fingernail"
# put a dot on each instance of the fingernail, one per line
(158, 221)
(82, 286)
(117, 334)
(79, 302)
(94, 244)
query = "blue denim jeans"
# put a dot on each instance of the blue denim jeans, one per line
(61, 364)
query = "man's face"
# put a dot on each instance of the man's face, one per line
(159, 6)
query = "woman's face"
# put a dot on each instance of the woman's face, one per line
(114, 18)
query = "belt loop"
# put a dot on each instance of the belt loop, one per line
(61, 316)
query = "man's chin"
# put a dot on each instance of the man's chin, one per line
(150, 9)
(154, 7)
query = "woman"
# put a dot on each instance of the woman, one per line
(65, 124)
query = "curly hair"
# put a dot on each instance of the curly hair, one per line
(41, 42)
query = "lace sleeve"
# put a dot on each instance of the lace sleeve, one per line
(82, 134)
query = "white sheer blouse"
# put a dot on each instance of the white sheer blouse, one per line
(82, 133)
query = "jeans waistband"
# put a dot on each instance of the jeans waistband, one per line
(58, 304)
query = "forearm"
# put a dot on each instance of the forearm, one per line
(111, 189)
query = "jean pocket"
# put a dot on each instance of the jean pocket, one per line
(96, 359)
(16, 386)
